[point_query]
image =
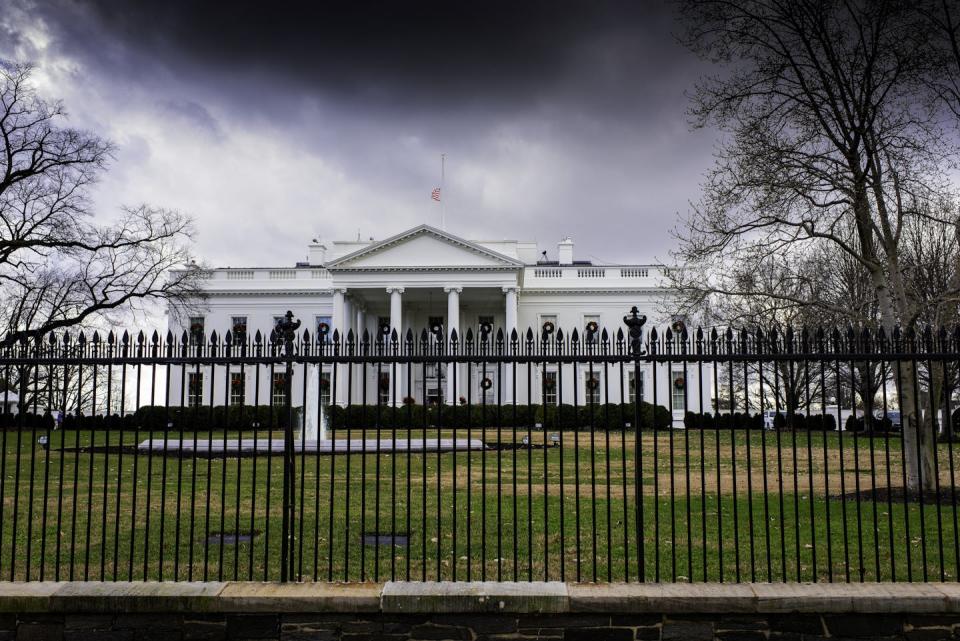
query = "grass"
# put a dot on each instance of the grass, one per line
(715, 506)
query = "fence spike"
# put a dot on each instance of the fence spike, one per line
(81, 339)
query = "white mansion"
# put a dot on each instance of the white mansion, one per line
(425, 277)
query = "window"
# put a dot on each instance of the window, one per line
(238, 388)
(325, 388)
(591, 322)
(383, 388)
(279, 395)
(196, 330)
(633, 392)
(195, 389)
(678, 385)
(550, 388)
(485, 322)
(593, 386)
(548, 326)
(383, 327)
(239, 329)
(324, 325)
(487, 382)
(434, 382)
(435, 325)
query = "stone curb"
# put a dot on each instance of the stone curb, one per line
(480, 597)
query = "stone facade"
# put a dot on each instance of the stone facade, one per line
(475, 627)
(477, 611)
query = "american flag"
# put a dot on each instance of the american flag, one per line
(435, 194)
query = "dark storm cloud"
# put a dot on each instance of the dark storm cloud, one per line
(398, 54)
(275, 121)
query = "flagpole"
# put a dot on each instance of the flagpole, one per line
(443, 205)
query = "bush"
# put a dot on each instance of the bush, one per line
(722, 421)
(607, 417)
(27, 420)
(872, 424)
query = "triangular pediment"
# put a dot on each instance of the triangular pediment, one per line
(423, 247)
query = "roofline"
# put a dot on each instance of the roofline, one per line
(375, 246)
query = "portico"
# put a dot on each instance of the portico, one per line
(423, 278)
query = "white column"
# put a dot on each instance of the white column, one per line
(510, 324)
(358, 325)
(340, 391)
(453, 323)
(397, 389)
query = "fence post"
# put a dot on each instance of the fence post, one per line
(634, 321)
(287, 330)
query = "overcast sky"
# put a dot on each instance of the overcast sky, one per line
(272, 127)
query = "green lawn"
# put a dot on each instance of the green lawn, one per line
(567, 512)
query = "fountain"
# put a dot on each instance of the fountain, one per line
(315, 419)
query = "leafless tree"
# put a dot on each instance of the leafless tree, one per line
(831, 139)
(60, 267)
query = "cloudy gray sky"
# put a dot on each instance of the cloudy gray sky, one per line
(273, 126)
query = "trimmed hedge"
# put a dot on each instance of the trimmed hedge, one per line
(27, 420)
(610, 416)
(813, 423)
(737, 421)
(743, 420)
(881, 425)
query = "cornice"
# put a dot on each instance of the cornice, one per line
(637, 290)
(428, 268)
(269, 292)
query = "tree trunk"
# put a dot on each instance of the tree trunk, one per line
(918, 441)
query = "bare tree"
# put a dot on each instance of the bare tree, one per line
(59, 267)
(830, 139)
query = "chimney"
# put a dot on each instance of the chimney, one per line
(565, 251)
(318, 252)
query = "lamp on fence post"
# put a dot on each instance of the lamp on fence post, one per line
(287, 331)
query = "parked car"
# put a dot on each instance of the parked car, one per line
(893, 415)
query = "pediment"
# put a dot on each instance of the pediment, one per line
(423, 247)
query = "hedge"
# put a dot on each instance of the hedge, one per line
(610, 416)
(813, 422)
(737, 420)
(744, 420)
(860, 423)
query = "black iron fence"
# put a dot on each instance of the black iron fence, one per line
(619, 454)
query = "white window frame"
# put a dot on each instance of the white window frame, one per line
(197, 337)
(679, 397)
(243, 388)
(328, 319)
(194, 389)
(555, 374)
(277, 397)
(233, 324)
(597, 374)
